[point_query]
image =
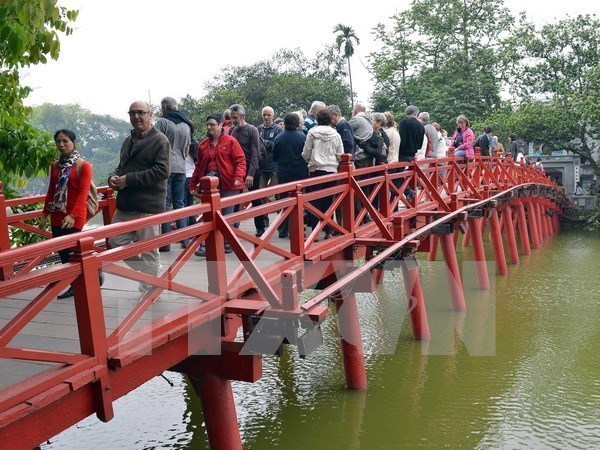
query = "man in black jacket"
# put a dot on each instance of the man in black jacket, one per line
(140, 180)
(343, 128)
(412, 133)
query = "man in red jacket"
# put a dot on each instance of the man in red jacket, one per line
(220, 155)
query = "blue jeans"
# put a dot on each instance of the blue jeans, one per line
(189, 200)
(229, 209)
(176, 196)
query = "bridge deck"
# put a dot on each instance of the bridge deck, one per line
(55, 327)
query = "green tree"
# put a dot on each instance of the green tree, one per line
(443, 56)
(346, 38)
(99, 137)
(286, 82)
(28, 36)
(560, 79)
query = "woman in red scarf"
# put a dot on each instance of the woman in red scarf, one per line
(65, 203)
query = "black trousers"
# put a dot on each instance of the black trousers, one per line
(65, 255)
(322, 204)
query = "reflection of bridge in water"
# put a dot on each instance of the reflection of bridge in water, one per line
(62, 360)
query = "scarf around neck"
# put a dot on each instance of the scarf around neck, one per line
(66, 163)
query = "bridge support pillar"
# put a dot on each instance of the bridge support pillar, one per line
(416, 302)
(350, 341)
(523, 234)
(496, 236)
(218, 407)
(466, 240)
(533, 226)
(547, 226)
(479, 252)
(432, 256)
(540, 217)
(510, 234)
(457, 294)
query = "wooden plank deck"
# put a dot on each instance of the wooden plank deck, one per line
(55, 327)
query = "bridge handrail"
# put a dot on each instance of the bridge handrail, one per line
(442, 184)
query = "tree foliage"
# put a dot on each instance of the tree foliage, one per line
(28, 35)
(286, 82)
(99, 137)
(443, 56)
(346, 38)
(560, 78)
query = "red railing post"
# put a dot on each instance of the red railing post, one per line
(6, 271)
(296, 223)
(90, 321)
(348, 212)
(109, 210)
(215, 244)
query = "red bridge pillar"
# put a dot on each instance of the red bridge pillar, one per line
(496, 236)
(218, 406)
(479, 252)
(510, 234)
(533, 226)
(523, 234)
(457, 294)
(416, 302)
(350, 341)
(433, 248)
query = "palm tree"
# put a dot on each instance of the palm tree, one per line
(346, 38)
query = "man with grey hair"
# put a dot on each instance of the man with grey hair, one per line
(310, 120)
(247, 135)
(431, 132)
(140, 180)
(267, 168)
(177, 127)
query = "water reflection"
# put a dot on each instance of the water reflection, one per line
(519, 369)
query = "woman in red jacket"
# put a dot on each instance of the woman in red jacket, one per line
(219, 155)
(65, 202)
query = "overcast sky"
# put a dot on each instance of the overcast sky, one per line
(124, 50)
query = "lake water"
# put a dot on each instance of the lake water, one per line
(519, 369)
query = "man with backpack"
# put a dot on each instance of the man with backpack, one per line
(483, 141)
(177, 127)
(248, 137)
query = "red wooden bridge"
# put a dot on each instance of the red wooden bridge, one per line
(63, 360)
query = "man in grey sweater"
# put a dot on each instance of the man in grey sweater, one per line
(141, 184)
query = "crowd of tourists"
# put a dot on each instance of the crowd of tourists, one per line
(161, 163)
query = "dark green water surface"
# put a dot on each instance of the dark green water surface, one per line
(519, 369)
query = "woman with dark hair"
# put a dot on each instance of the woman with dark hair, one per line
(65, 203)
(287, 153)
(219, 155)
(463, 138)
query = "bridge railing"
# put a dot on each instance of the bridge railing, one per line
(370, 200)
